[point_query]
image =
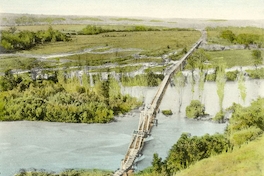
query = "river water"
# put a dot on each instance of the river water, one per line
(59, 146)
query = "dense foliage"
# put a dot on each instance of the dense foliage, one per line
(256, 74)
(195, 109)
(94, 30)
(244, 38)
(246, 124)
(63, 100)
(150, 79)
(189, 150)
(23, 40)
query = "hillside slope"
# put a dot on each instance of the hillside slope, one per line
(245, 161)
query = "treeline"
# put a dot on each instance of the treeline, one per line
(23, 40)
(62, 99)
(245, 125)
(150, 79)
(30, 20)
(93, 30)
(244, 38)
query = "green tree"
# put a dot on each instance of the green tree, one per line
(228, 34)
(156, 163)
(180, 81)
(195, 109)
(257, 57)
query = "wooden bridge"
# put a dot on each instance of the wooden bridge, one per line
(148, 117)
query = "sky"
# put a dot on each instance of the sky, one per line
(212, 9)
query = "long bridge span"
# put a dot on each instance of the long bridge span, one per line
(148, 116)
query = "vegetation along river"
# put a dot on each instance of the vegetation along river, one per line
(58, 146)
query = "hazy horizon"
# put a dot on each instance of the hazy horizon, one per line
(203, 9)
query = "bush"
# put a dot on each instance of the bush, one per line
(210, 77)
(195, 109)
(167, 112)
(232, 75)
(256, 74)
(219, 117)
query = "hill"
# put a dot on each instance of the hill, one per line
(247, 160)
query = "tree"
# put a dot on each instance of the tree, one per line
(256, 55)
(220, 83)
(180, 81)
(242, 87)
(8, 81)
(195, 109)
(156, 163)
(228, 34)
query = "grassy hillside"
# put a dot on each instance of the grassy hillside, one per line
(247, 160)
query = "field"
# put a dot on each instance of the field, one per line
(150, 42)
(232, 57)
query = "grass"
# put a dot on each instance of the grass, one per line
(151, 41)
(247, 160)
(15, 62)
(232, 57)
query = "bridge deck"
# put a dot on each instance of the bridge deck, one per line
(147, 117)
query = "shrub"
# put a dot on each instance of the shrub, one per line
(232, 75)
(210, 77)
(219, 117)
(256, 74)
(195, 109)
(167, 112)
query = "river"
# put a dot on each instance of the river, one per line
(59, 146)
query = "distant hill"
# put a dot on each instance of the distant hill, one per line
(10, 19)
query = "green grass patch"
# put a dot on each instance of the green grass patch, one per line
(232, 57)
(153, 42)
(16, 62)
(247, 160)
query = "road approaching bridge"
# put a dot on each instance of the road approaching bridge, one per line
(148, 117)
